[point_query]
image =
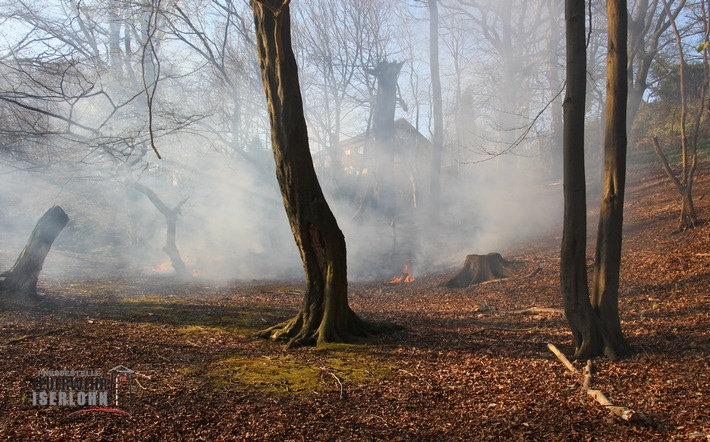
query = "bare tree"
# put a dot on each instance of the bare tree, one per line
(171, 218)
(339, 41)
(648, 23)
(219, 35)
(684, 179)
(514, 70)
(85, 85)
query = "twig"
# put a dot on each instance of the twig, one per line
(139, 384)
(529, 329)
(340, 384)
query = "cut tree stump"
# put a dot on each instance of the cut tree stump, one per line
(480, 268)
(22, 278)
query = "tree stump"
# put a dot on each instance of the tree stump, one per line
(480, 268)
(22, 277)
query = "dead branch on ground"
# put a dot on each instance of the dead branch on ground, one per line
(622, 412)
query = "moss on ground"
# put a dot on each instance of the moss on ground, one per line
(317, 370)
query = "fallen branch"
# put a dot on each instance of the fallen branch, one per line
(535, 271)
(39, 335)
(587, 375)
(535, 310)
(562, 358)
(624, 413)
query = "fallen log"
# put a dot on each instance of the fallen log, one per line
(22, 278)
(480, 268)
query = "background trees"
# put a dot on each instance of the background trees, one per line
(88, 89)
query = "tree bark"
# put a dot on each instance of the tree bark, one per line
(325, 315)
(22, 278)
(480, 268)
(573, 268)
(607, 262)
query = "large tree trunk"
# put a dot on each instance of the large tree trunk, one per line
(22, 278)
(607, 262)
(325, 315)
(573, 268)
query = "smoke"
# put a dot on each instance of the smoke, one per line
(231, 226)
(232, 223)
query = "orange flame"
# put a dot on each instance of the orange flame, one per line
(162, 267)
(405, 277)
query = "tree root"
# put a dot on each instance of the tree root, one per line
(300, 333)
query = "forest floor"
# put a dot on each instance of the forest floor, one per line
(465, 367)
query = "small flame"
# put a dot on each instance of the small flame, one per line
(405, 277)
(197, 273)
(162, 267)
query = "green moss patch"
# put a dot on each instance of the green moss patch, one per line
(303, 372)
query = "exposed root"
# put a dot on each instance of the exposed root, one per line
(299, 333)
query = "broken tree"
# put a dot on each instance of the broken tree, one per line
(22, 278)
(480, 268)
(171, 217)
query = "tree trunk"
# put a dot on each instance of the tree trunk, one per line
(607, 262)
(480, 268)
(325, 315)
(382, 159)
(438, 136)
(22, 278)
(573, 268)
(688, 216)
(171, 217)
